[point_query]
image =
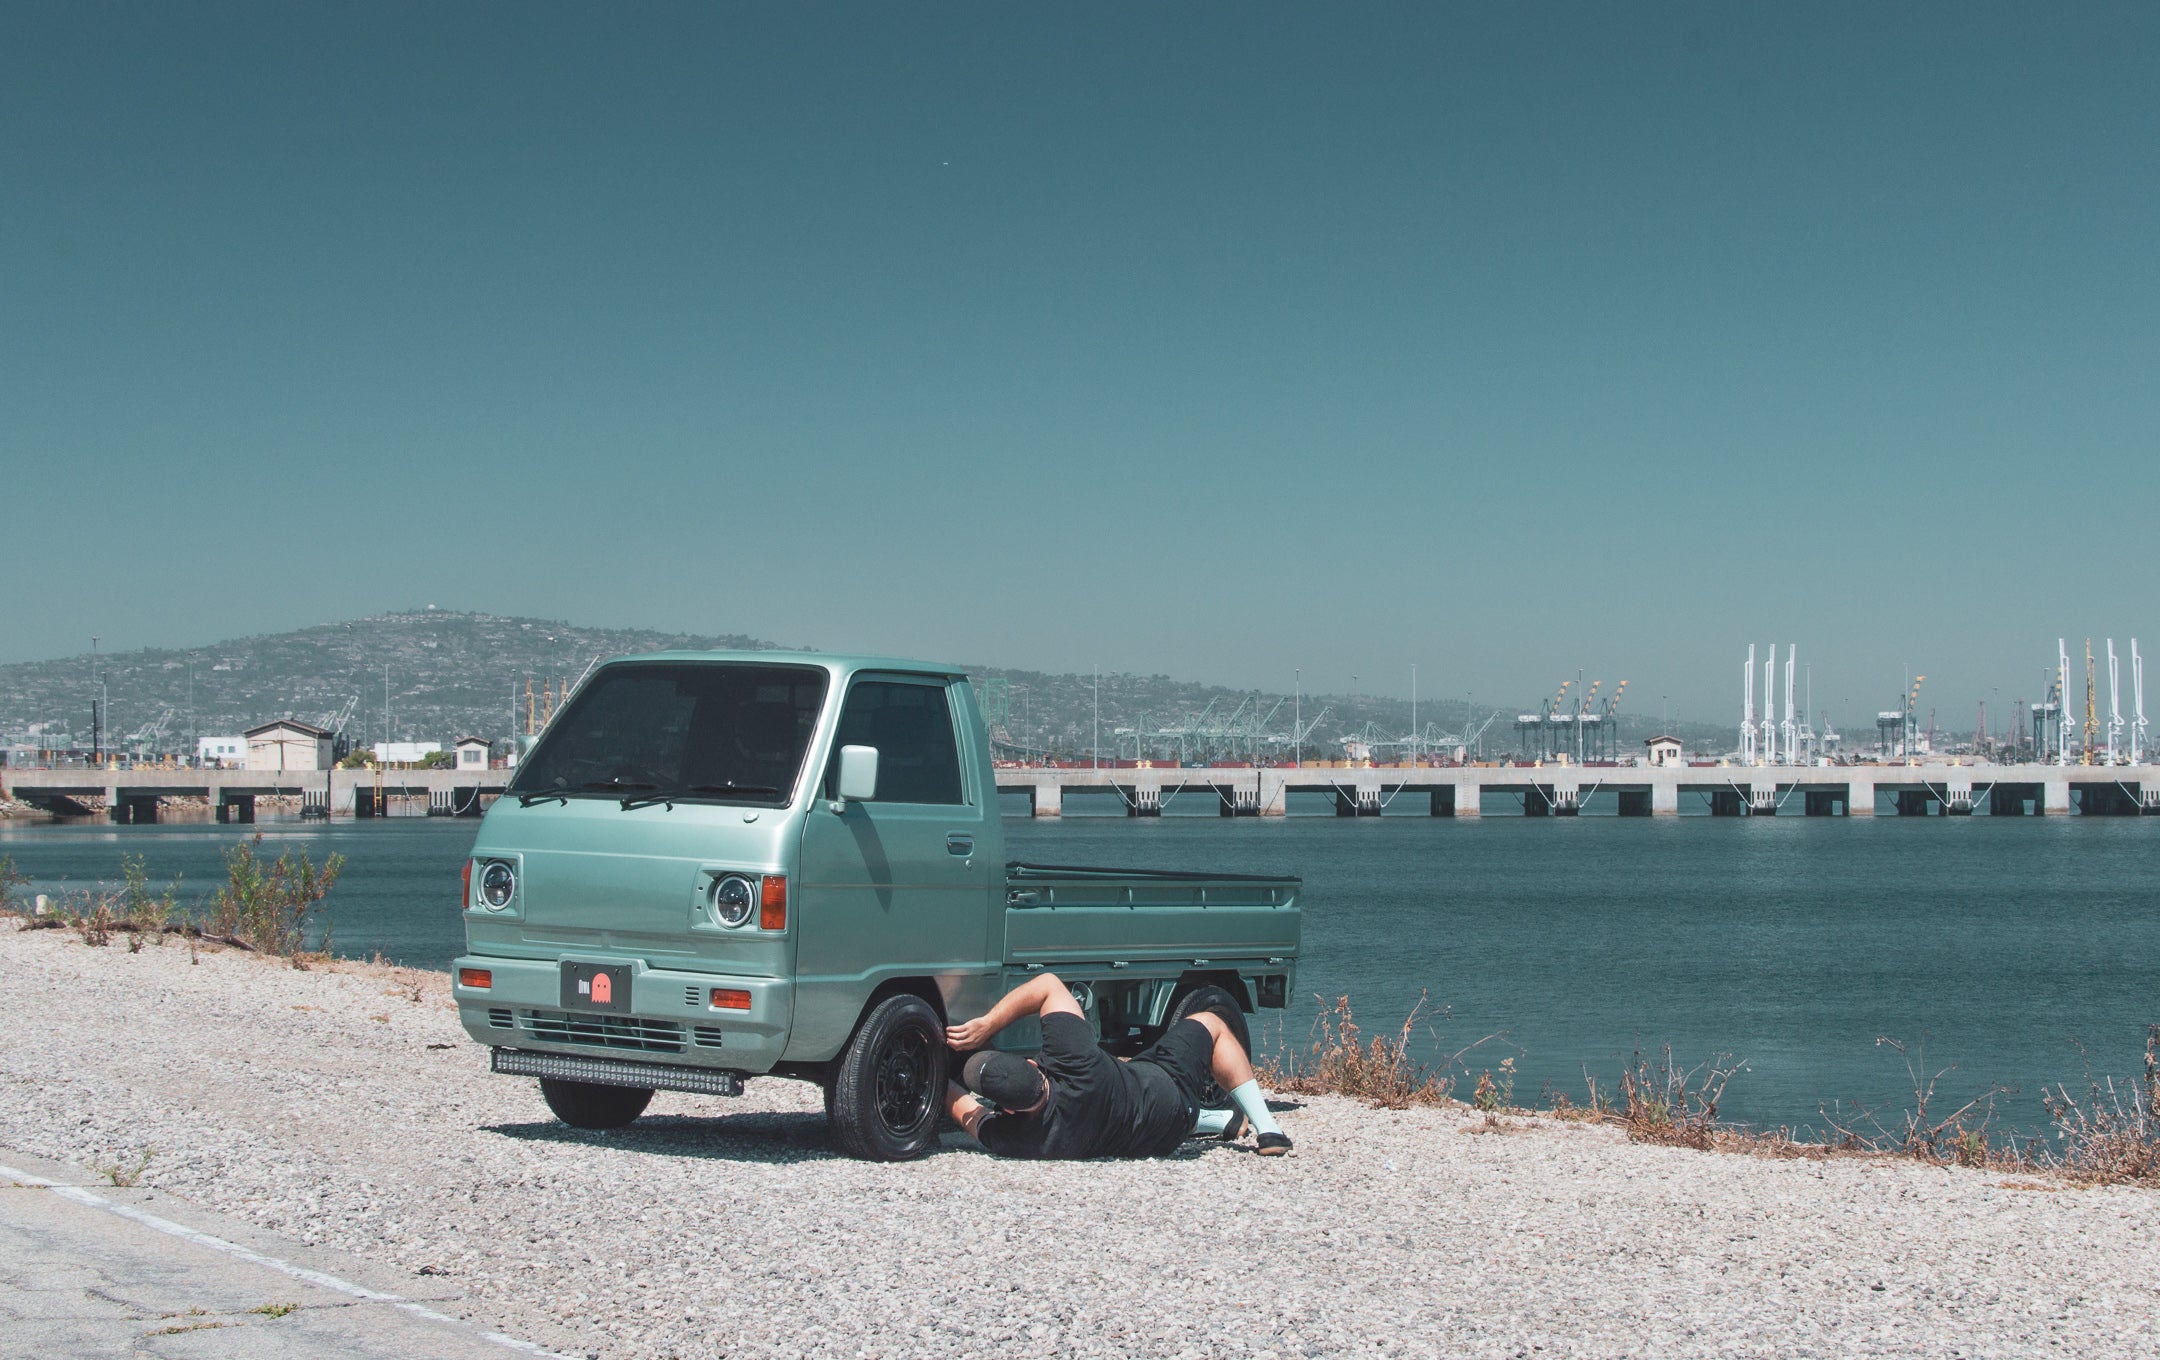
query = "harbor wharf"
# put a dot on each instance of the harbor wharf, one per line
(1642, 791)
(132, 795)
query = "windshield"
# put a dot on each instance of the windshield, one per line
(699, 731)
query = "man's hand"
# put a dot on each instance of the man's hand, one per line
(1042, 994)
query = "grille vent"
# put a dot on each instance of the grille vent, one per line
(604, 1031)
(691, 998)
(706, 1036)
(499, 1018)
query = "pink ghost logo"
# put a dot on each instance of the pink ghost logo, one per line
(603, 991)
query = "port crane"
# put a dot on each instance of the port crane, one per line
(2115, 722)
(149, 734)
(335, 724)
(2137, 706)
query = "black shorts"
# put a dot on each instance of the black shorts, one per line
(1186, 1052)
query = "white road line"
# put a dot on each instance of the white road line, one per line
(185, 1233)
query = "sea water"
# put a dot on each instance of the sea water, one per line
(1999, 953)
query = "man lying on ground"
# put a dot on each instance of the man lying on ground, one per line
(1076, 1101)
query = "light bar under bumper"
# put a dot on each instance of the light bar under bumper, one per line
(704, 1081)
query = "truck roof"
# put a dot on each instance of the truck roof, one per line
(843, 662)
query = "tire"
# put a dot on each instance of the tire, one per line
(583, 1105)
(1226, 1008)
(889, 1086)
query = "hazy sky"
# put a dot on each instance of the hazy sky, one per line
(1215, 340)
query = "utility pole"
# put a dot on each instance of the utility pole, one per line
(1096, 745)
(1297, 716)
(97, 709)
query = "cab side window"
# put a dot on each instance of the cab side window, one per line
(911, 727)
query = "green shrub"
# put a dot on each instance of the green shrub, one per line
(271, 907)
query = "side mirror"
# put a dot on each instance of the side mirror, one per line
(858, 774)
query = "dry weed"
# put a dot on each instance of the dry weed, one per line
(1341, 1061)
(2113, 1135)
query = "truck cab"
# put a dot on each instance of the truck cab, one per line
(720, 865)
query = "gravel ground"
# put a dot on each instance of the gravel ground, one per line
(346, 1108)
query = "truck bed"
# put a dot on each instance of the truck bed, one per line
(1063, 915)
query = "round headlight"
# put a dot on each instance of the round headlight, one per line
(733, 899)
(498, 884)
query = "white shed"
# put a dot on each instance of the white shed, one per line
(288, 745)
(472, 753)
(1665, 751)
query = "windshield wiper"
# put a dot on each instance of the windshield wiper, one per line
(592, 786)
(700, 791)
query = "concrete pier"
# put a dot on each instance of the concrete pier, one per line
(1453, 791)
(1547, 791)
(131, 796)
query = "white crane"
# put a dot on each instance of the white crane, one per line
(1769, 707)
(2068, 726)
(2137, 705)
(334, 723)
(142, 738)
(1747, 708)
(2115, 722)
(1792, 735)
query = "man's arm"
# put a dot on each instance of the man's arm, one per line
(966, 1110)
(1043, 994)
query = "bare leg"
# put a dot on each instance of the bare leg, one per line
(1233, 1072)
(1231, 1066)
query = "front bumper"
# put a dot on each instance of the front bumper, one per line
(671, 1020)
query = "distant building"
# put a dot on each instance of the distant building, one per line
(404, 752)
(221, 753)
(1666, 751)
(472, 752)
(288, 745)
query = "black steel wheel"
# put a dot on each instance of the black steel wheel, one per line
(584, 1105)
(1226, 1008)
(890, 1083)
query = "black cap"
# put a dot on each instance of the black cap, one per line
(1006, 1080)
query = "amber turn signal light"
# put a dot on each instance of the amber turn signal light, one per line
(772, 903)
(465, 898)
(728, 999)
(478, 978)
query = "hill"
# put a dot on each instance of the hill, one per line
(448, 673)
(451, 673)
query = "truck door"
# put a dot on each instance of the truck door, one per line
(893, 887)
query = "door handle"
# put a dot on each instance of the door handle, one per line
(959, 843)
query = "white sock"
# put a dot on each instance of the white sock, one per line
(1212, 1122)
(1254, 1105)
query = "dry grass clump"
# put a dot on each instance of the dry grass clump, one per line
(268, 908)
(1961, 1138)
(1342, 1062)
(1662, 1102)
(2110, 1135)
(2113, 1135)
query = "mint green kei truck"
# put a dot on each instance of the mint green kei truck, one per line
(720, 865)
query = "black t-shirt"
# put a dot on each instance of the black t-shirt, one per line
(1098, 1106)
